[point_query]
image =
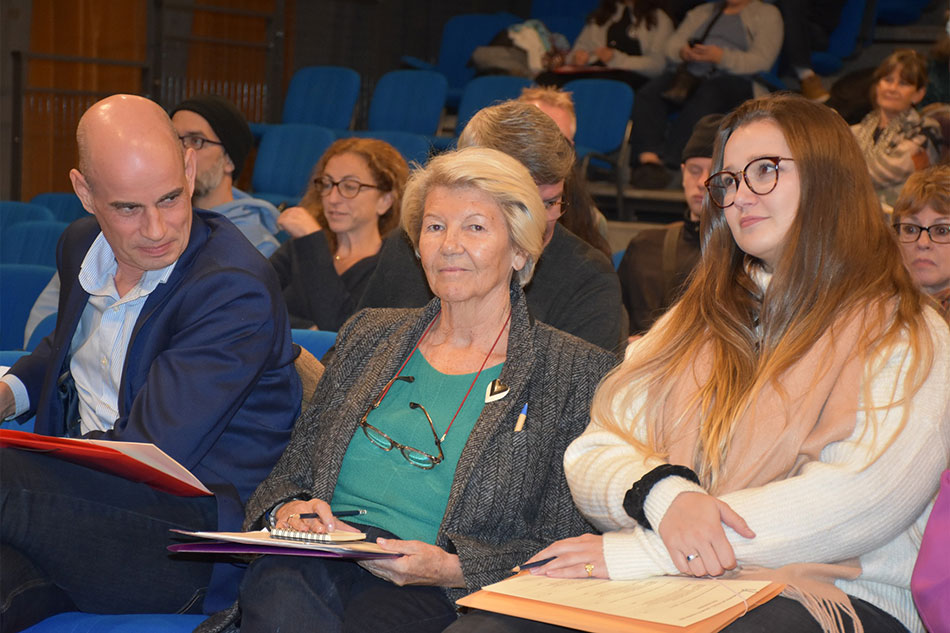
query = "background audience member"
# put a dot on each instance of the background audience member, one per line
(478, 488)
(218, 133)
(626, 36)
(895, 138)
(808, 27)
(574, 287)
(581, 216)
(800, 323)
(355, 195)
(171, 330)
(658, 261)
(221, 138)
(922, 220)
(744, 39)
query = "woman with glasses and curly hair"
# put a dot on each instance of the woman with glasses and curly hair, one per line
(921, 218)
(351, 204)
(787, 418)
(447, 424)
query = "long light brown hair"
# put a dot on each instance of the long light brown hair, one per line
(389, 170)
(840, 259)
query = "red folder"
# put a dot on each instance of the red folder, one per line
(135, 461)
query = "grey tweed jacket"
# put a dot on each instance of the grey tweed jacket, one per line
(509, 497)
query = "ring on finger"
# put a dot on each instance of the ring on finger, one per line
(589, 568)
(691, 558)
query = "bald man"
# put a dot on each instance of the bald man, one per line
(171, 330)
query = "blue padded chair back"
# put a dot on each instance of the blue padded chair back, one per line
(899, 12)
(66, 206)
(322, 95)
(408, 101)
(75, 622)
(541, 8)
(16, 212)
(413, 147)
(20, 285)
(31, 243)
(461, 35)
(317, 342)
(603, 109)
(484, 91)
(43, 329)
(285, 159)
(842, 40)
(569, 26)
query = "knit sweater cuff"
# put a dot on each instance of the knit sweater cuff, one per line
(662, 495)
(629, 558)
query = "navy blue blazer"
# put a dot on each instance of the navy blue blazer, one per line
(209, 374)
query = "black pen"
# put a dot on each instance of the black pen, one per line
(537, 563)
(343, 513)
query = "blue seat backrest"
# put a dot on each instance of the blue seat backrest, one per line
(66, 206)
(43, 329)
(569, 26)
(322, 95)
(413, 147)
(286, 158)
(461, 35)
(408, 101)
(74, 622)
(603, 109)
(20, 285)
(540, 8)
(484, 91)
(317, 342)
(31, 243)
(842, 40)
(12, 212)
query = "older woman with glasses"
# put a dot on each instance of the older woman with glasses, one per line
(351, 204)
(788, 416)
(922, 221)
(446, 424)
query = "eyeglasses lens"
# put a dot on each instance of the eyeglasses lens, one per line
(938, 233)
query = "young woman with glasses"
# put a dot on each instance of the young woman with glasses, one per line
(351, 204)
(447, 424)
(788, 416)
(922, 221)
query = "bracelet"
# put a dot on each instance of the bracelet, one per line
(271, 516)
(637, 495)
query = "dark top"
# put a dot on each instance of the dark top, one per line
(574, 288)
(509, 496)
(649, 289)
(209, 373)
(314, 292)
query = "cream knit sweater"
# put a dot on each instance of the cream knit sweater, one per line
(844, 506)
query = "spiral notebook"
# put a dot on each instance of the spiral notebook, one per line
(313, 537)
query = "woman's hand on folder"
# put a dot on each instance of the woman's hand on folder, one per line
(574, 557)
(420, 564)
(288, 517)
(692, 530)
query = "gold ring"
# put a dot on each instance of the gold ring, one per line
(589, 567)
(292, 516)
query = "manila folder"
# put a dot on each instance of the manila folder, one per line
(664, 604)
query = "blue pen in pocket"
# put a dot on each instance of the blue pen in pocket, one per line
(521, 418)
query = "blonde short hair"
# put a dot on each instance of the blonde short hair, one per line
(500, 176)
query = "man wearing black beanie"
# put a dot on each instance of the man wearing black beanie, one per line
(221, 138)
(658, 261)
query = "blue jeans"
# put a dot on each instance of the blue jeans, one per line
(779, 615)
(73, 538)
(294, 594)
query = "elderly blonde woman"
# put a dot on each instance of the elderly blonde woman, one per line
(447, 424)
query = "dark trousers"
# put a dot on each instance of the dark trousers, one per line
(779, 615)
(72, 538)
(294, 594)
(652, 131)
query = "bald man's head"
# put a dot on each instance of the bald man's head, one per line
(135, 178)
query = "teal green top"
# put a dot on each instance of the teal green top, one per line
(397, 496)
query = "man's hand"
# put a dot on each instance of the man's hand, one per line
(7, 402)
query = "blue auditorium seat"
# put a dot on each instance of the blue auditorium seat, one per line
(317, 342)
(31, 242)
(138, 623)
(66, 206)
(408, 101)
(20, 285)
(12, 212)
(285, 160)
